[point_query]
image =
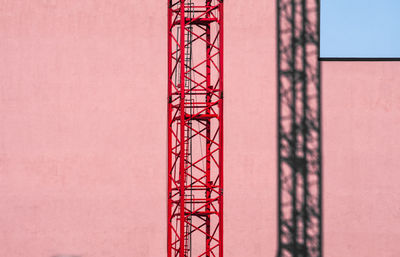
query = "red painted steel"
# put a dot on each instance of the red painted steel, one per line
(195, 128)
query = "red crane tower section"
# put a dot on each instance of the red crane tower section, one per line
(195, 128)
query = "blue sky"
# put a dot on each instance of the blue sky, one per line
(360, 28)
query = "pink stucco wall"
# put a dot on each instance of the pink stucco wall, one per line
(83, 134)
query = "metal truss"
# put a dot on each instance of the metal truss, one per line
(299, 129)
(195, 128)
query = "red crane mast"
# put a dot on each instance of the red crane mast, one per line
(195, 128)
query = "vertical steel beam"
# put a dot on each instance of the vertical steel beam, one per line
(208, 126)
(169, 144)
(299, 129)
(221, 129)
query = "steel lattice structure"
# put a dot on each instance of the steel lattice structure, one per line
(299, 129)
(195, 128)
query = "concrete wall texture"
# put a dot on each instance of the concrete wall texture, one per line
(83, 134)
